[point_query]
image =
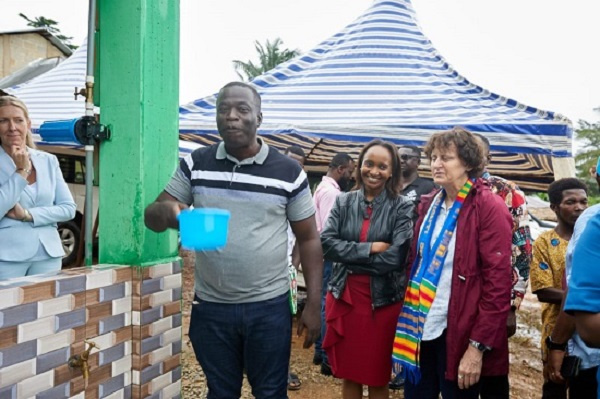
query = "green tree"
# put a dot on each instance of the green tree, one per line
(588, 137)
(269, 56)
(51, 25)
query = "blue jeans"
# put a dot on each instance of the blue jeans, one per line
(327, 268)
(255, 337)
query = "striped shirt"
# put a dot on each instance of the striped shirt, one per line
(262, 193)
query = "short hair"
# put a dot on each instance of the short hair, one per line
(555, 190)
(484, 140)
(340, 159)
(394, 185)
(296, 149)
(467, 146)
(6, 101)
(413, 148)
(244, 85)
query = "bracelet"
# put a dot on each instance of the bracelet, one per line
(26, 170)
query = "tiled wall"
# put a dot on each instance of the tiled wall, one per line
(156, 317)
(132, 314)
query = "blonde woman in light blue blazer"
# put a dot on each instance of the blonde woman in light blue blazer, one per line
(33, 198)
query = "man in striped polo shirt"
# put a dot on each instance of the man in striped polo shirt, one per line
(241, 318)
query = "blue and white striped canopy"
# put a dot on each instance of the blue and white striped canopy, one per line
(380, 77)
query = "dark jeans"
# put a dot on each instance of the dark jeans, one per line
(229, 339)
(552, 390)
(327, 267)
(432, 383)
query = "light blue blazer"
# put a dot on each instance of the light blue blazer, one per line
(20, 241)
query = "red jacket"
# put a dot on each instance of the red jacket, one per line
(481, 279)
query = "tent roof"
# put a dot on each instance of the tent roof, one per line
(381, 77)
(50, 97)
(30, 71)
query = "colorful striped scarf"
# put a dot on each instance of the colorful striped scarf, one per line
(421, 288)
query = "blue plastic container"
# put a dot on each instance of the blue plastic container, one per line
(59, 131)
(203, 229)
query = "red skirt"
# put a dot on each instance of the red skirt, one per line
(359, 340)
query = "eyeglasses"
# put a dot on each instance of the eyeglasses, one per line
(405, 157)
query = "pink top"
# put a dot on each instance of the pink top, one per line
(324, 198)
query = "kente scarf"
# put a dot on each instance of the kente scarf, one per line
(421, 288)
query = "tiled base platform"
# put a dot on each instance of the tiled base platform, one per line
(131, 313)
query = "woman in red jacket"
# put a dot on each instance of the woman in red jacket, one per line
(452, 328)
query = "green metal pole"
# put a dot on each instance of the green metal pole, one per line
(138, 48)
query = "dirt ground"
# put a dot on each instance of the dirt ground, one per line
(525, 372)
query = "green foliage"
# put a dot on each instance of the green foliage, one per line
(588, 136)
(51, 25)
(269, 56)
(588, 139)
(593, 200)
(543, 196)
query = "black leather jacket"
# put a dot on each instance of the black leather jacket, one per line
(391, 222)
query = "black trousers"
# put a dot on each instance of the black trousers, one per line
(432, 383)
(494, 387)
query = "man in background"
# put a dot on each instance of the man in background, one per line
(564, 339)
(568, 199)
(332, 184)
(413, 186)
(297, 154)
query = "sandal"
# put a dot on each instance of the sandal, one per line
(293, 383)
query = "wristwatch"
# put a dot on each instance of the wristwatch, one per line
(555, 346)
(479, 346)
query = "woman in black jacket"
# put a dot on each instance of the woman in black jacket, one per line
(368, 236)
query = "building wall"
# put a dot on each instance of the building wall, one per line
(18, 50)
(131, 314)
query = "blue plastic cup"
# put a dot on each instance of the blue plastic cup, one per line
(203, 229)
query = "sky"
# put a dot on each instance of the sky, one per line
(542, 53)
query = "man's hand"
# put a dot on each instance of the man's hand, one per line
(555, 359)
(162, 213)
(511, 323)
(469, 368)
(311, 320)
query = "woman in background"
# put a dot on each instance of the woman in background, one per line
(33, 198)
(367, 236)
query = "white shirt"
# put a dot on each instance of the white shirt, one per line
(437, 318)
